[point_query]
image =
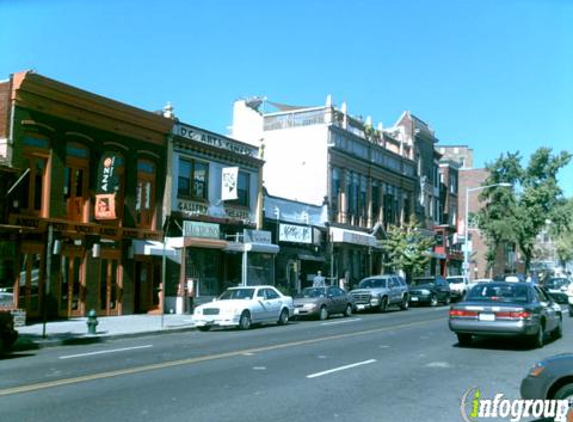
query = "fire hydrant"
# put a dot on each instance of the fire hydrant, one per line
(92, 322)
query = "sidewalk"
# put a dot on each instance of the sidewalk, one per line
(75, 331)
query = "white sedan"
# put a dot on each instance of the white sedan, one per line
(243, 306)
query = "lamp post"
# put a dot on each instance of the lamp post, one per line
(466, 264)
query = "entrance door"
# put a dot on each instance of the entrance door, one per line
(71, 284)
(110, 287)
(31, 279)
(147, 297)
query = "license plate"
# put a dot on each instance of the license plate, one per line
(414, 299)
(360, 307)
(486, 317)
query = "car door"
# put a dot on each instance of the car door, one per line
(548, 308)
(261, 311)
(273, 303)
(443, 288)
(336, 295)
(395, 290)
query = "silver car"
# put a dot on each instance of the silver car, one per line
(380, 292)
(322, 302)
(550, 379)
(506, 309)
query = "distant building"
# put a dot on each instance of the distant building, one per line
(461, 154)
(366, 175)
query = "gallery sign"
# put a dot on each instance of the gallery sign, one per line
(295, 234)
(257, 236)
(215, 140)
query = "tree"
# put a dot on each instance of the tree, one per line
(517, 216)
(407, 248)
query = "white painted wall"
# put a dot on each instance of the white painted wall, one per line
(247, 124)
(296, 161)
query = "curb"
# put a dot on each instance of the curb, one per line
(27, 342)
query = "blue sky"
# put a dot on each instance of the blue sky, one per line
(494, 75)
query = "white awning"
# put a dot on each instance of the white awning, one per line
(252, 247)
(155, 248)
(338, 235)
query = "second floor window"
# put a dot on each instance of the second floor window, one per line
(193, 179)
(34, 190)
(76, 181)
(243, 190)
(145, 194)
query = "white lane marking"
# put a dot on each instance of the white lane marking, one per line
(101, 352)
(260, 368)
(341, 368)
(341, 322)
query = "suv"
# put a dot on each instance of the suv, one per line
(458, 286)
(8, 334)
(381, 291)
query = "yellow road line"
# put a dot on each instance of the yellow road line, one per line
(190, 361)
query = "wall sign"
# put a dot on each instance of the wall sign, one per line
(295, 234)
(257, 236)
(196, 229)
(215, 140)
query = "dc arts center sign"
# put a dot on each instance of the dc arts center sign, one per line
(218, 141)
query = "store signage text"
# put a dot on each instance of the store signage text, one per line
(216, 141)
(196, 229)
(258, 236)
(295, 234)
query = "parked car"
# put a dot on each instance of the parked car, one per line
(560, 289)
(430, 290)
(506, 309)
(381, 291)
(321, 302)
(458, 286)
(550, 379)
(8, 335)
(243, 306)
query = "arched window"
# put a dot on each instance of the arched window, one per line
(34, 191)
(76, 182)
(145, 194)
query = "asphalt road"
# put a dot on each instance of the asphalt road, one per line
(399, 366)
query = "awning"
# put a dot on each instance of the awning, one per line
(252, 247)
(433, 254)
(304, 257)
(338, 235)
(155, 248)
(200, 242)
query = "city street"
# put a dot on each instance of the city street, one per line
(370, 367)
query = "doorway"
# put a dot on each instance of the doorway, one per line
(31, 279)
(71, 303)
(110, 288)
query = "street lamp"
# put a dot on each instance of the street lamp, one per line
(466, 265)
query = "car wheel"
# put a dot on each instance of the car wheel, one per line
(245, 321)
(537, 339)
(348, 310)
(570, 311)
(283, 318)
(204, 328)
(464, 339)
(405, 303)
(564, 393)
(448, 300)
(433, 300)
(323, 313)
(384, 304)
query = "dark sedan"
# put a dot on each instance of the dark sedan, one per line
(8, 335)
(321, 302)
(430, 290)
(506, 309)
(550, 379)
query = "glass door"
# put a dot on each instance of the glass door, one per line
(31, 279)
(72, 284)
(111, 288)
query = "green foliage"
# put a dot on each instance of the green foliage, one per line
(518, 215)
(407, 248)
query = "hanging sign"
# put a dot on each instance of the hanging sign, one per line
(229, 183)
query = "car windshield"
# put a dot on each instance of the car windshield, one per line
(557, 283)
(420, 281)
(313, 292)
(372, 282)
(237, 294)
(509, 293)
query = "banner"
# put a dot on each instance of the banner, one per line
(107, 180)
(229, 183)
(105, 207)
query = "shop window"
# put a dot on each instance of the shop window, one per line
(335, 191)
(76, 182)
(243, 191)
(193, 179)
(145, 194)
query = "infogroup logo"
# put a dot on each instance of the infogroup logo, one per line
(474, 407)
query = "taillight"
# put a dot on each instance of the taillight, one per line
(513, 314)
(462, 313)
